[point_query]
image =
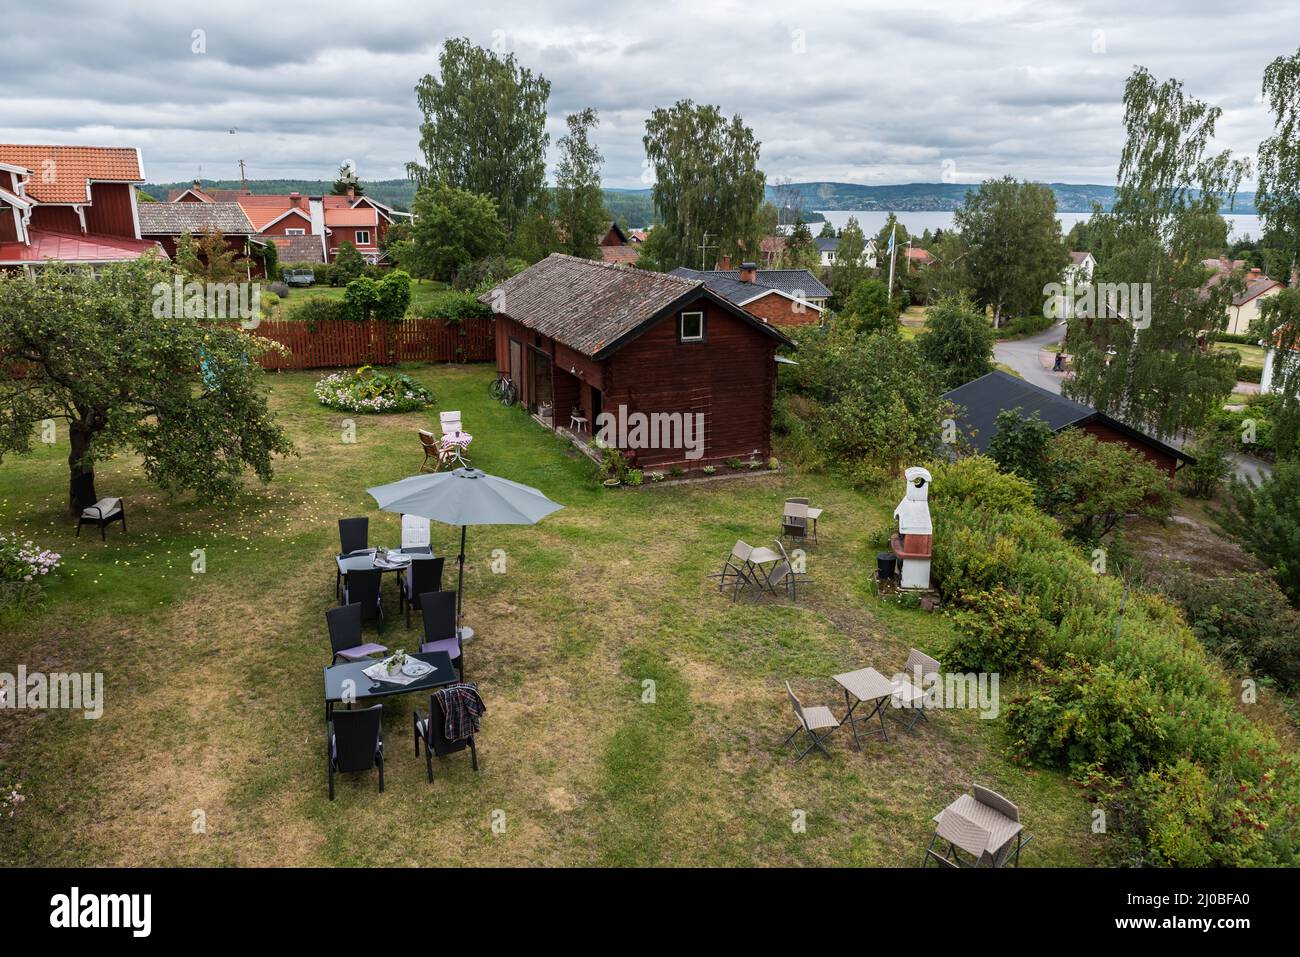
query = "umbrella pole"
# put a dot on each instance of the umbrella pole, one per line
(460, 580)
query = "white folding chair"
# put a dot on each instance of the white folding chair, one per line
(415, 532)
(450, 422)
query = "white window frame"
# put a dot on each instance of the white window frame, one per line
(681, 327)
(295, 232)
(358, 234)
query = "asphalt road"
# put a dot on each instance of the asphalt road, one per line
(1023, 355)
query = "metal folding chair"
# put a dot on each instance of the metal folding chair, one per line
(909, 694)
(736, 569)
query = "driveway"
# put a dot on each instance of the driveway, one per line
(1026, 357)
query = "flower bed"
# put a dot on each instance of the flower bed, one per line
(367, 390)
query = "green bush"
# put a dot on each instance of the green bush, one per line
(347, 266)
(1244, 620)
(317, 309)
(1265, 519)
(996, 631)
(393, 296)
(1021, 326)
(455, 306)
(360, 297)
(1083, 715)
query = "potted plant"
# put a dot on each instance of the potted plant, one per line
(394, 664)
(613, 466)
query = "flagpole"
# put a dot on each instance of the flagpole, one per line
(893, 251)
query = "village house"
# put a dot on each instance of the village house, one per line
(783, 297)
(580, 338)
(73, 204)
(165, 223)
(617, 246)
(829, 246)
(982, 400)
(307, 228)
(1244, 307)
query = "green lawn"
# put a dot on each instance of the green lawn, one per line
(422, 291)
(214, 684)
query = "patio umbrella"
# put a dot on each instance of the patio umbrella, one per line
(464, 497)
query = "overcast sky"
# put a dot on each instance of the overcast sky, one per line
(862, 92)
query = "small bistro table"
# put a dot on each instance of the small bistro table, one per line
(865, 685)
(364, 688)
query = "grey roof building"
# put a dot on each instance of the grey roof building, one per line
(172, 219)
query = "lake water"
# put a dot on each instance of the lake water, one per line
(918, 222)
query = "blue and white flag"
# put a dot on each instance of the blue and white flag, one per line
(890, 247)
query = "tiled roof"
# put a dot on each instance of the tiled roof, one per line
(361, 216)
(627, 255)
(799, 283)
(84, 248)
(1078, 257)
(593, 307)
(172, 219)
(261, 214)
(298, 249)
(60, 173)
(1255, 287)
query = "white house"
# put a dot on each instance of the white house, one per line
(829, 247)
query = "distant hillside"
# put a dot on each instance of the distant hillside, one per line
(392, 192)
(635, 207)
(945, 197)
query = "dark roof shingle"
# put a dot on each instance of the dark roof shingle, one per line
(172, 219)
(796, 283)
(593, 307)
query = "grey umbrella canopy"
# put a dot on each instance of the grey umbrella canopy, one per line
(464, 497)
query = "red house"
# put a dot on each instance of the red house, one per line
(694, 371)
(307, 228)
(166, 222)
(74, 204)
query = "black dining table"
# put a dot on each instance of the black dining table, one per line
(364, 688)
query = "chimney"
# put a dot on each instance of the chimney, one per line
(748, 272)
(725, 262)
(1255, 273)
(352, 192)
(197, 184)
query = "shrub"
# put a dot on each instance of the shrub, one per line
(347, 266)
(1265, 519)
(1213, 464)
(635, 477)
(23, 566)
(1245, 620)
(393, 297)
(317, 309)
(996, 631)
(368, 390)
(1029, 325)
(455, 306)
(278, 289)
(957, 341)
(1083, 715)
(360, 297)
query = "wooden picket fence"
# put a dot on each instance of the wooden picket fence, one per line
(339, 344)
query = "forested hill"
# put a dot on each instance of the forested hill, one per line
(1070, 197)
(635, 208)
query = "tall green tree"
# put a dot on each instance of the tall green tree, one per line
(578, 199)
(1015, 245)
(869, 309)
(1278, 201)
(1148, 366)
(800, 250)
(450, 228)
(186, 396)
(484, 128)
(850, 267)
(957, 341)
(827, 230)
(707, 184)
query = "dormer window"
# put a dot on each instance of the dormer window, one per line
(690, 327)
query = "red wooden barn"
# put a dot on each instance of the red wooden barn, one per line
(580, 335)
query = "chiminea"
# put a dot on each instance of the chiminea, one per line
(912, 541)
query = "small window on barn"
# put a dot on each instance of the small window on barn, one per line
(295, 232)
(363, 237)
(690, 327)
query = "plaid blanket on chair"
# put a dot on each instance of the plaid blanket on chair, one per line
(461, 707)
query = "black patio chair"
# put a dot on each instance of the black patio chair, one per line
(361, 587)
(424, 575)
(354, 537)
(438, 609)
(101, 514)
(432, 730)
(355, 742)
(345, 634)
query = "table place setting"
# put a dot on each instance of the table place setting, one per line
(400, 669)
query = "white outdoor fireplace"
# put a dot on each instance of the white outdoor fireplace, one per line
(912, 541)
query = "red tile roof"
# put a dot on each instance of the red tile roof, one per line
(86, 248)
(361, 216)
(627, 255)
(263, 214)
(60, 173)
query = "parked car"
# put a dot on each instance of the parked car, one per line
(298, 277)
